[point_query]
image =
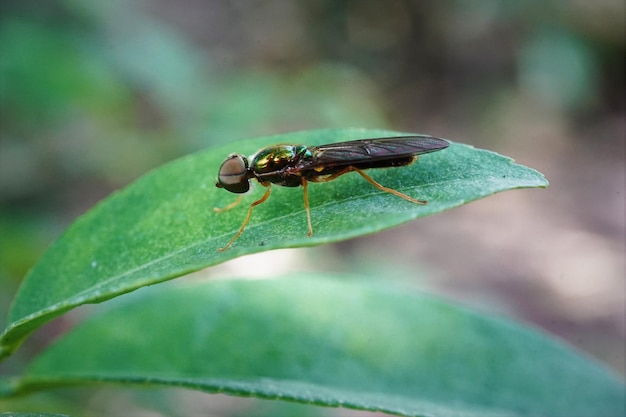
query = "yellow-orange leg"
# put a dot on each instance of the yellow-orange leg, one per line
(371, 181)
(230, 206)
(246, 220)
(306, 207)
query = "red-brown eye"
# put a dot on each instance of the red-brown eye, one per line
(233, 174)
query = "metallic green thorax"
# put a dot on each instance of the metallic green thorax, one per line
(278, 164)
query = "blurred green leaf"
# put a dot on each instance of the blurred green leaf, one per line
(335, 95)
(333, 343)
(559, 68)
(163, 225)
(32, 415)
(48, 72)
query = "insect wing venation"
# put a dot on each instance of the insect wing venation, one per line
(351, 152)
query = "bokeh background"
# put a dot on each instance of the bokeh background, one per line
(94, 94)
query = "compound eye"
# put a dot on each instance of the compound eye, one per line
(233, 175)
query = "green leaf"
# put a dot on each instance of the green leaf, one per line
(163, 225)
(9, 414)
(333, 343)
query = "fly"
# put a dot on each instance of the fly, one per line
(297, 165)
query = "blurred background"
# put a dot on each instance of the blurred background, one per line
(95, 94)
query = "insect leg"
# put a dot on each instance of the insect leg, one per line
(230, 206)
(371, 181)
(385, 189)
(246, 220)
(306, 207)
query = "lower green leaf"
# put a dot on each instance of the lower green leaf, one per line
(318, 341)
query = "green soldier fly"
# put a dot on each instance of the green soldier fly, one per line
(297, 165)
